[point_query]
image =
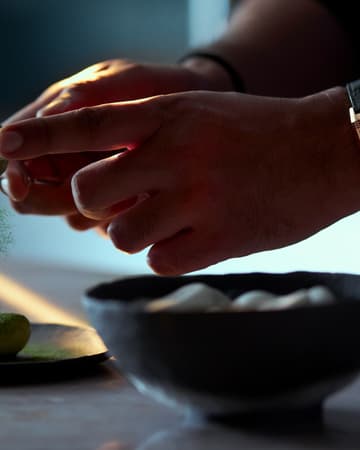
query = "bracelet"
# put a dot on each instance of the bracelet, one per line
(234, 76)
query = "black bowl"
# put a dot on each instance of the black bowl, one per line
(225, 363)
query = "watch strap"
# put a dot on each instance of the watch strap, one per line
(234, 76)
(353, 90)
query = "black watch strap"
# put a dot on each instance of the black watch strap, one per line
(353, 90)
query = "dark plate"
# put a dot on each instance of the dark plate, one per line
(54, 350)
(222, 363)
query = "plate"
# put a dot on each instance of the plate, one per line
(55, 349)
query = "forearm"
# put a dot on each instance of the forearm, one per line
(282, 48)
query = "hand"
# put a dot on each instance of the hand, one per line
(207, 176)
(119, 80)
(101, 83)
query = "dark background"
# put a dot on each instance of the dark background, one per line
(46, 40)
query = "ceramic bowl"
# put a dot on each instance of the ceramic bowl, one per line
(231, 363)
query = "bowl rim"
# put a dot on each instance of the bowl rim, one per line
(91, 295)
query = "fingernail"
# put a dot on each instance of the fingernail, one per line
(10, 141)
(4, 187)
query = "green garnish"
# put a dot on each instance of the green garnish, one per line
(41, 352)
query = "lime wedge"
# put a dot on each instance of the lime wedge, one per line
(15, 331)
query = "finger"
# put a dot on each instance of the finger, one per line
(104, 127)
(46, 200)
(78, 96)
(42, 168)
(103, 184)
(80, 223)
(18, 182)
(31, 109)
(113, 211)
(48, 168)
(85, 88)
(155, 219)
(68, 100)
(187, 251)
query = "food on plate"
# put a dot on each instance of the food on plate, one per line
(15, 330)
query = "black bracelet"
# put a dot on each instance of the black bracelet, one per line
(234, 76)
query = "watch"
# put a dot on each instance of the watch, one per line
(353, 90)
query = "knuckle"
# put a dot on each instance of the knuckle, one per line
(88, 122)
(174, 105)
(135, 69)
(77, 90)
(45, 135)
(105, 65)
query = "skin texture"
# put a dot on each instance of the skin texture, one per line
(203, 183)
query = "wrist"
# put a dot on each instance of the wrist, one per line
(217, 74)
(342, 149)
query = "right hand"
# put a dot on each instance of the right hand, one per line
(109, 81)
(216, 175)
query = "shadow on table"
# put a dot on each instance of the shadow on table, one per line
(58, 374)
(325, 430)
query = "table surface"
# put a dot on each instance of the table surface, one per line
(101, 411)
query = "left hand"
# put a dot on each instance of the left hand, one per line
(104, 82)
(207, 176)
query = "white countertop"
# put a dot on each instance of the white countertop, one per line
(103, 412)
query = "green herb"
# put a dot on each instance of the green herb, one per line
(6, 237)
(42, 352)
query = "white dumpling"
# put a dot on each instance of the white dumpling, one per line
(321, 295)
(251, 300)
(295, 299)
(190, 298)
